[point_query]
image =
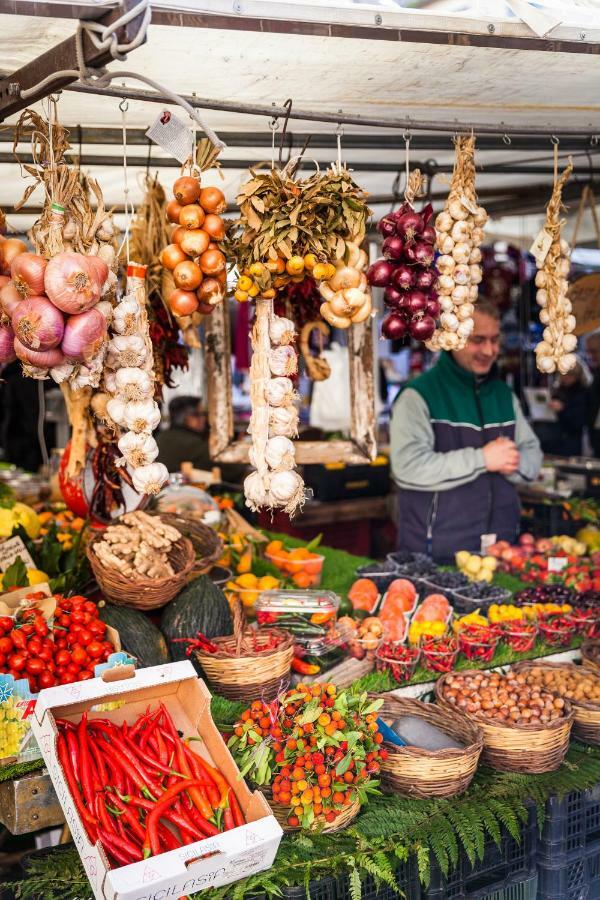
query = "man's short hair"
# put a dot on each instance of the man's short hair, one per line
(182, 407)
(487, 307)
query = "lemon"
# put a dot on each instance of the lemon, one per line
(489, 562)
(248, 580)
(19, 514)
(473, 565)
(268, 583)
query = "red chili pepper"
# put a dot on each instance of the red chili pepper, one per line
(122, 845)
(130, 817)
(73, 747)
(152, 842)
(238, 816)
(85, 762)
(141, 723)
(221, 784)
(87, 819)
(149, 760)
(100, 765)
(228, 822)
(209, 786)
(106, 822)
(198, 796)
(168, 838)
(150, 730)
(163, 754)
(115, 755)
(304, 668)
(207, 827)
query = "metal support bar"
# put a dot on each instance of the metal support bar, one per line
(273, 111)
(62, 56)
(53, 10)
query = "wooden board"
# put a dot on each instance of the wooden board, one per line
(584, 294)
(361, 447)
(29, 803)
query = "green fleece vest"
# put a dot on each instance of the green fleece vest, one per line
(465, 412)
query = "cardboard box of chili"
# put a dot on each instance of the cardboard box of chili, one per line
(170, 696)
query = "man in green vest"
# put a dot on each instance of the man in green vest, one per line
(459, 445)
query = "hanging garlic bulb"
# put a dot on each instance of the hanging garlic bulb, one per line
(283, 361)
(281, 331)
(126, 350)
(126, 317)
(150, 479)
(62, 373)
(283, 420)
(279, 392)
(116, 410)
(141, 415)
(287, 490)
(255, 492)
(134, 384)
(138, 449)
(459, 230)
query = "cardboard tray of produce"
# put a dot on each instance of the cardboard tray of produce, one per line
(215, 861)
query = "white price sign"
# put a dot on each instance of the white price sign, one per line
(557, 563)
(13, 549)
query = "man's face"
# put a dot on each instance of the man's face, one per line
(483, 346)
(196, 421)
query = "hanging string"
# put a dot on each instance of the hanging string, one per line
(124, 106)
(339, 132)
(555, 143)
(194, 150)
(273, 125)
(407, 137)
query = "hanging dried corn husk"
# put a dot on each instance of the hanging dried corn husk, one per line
(274, 484)
(317, 367)
(557, 349)
(460, 233)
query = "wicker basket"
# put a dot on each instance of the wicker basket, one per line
(530, 749)
(590, 659)
(414, 772)
(240, 673)
(586, 721)
(207, 544)
(281, 813)
(143, 593)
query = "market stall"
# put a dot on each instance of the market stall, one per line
(202, 703)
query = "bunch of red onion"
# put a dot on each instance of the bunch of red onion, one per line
(408, 273)
(49, 315)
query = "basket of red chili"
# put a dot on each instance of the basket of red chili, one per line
(587, 621)
(439, 654)
(478, 642)
(558, 631)
(399, 659)
(520, 636)
(248, 664)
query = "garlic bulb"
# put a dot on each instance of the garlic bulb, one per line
(61, 373)
(106, 308)
(281, 331)
(544, 316)
(255, 492)
(126, 317)
(140, 415)
(541, 279)
(150, 479)
(110, 381)
(134, 384)
(465, 310)
(462, 274)
(279, 392)
(283, 420)
(457, 210)
(445, 264)
(280, 454)
(446, 303)
(445, 284)
(569, 343)
(283, 361)
(461, 230)
(460, 294)
(138, 449)
(461, 252)
(445, 243)
(116, 410)
(444, 222)
(287, 490)
(541, 297)
(126, 350)
(449, 321)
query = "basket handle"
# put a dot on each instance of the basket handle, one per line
(239, 625)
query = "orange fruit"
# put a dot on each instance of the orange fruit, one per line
(302, 579)
(273, 548)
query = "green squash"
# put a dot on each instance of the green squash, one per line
(139, 636)
(201, 606)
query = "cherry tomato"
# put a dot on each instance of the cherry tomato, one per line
(64, 621)
(90, 607)
(35, 666)
(108, 647)
(19, 639)
(41, 627)
(17, 661)
(66, 679)
(65, 603)
(34, 646)
(85, 675)
(61, 643)
(62, 658)
(28, 629)
(79, 656)
(6, 623)
(6, 644)
(85, 637)
(95, 649)
(97, 627)
(77, 616)
(46, 680)
(73, 670)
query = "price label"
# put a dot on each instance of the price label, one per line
(540, 247)
(12, 550)
(172, 134)
(557, 563)
(486, 542)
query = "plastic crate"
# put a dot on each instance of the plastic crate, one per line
(381, 574)
(545, 519)
(572, 823)
(576, 878)
(329, 888)
(503, 868)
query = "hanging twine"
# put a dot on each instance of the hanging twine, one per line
(415, 186)
(553, 226)
(124, 106)
(463, 175)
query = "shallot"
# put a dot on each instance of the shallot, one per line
(7, 344)
(72, 283)
(9, 299)
(84, 335)
(27, 273)
(37, 323)
(41, 359)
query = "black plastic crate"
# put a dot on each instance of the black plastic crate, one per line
(575, 878)
(503, 866)
(572, 823)
(329, 888)
(341, 482)
(381, 573)
(544, 519)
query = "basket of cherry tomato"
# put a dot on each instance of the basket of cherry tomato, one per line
(399, 659)
(439, 654)
(519, 635)
(558, 631)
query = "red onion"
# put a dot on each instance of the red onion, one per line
(416, 302)
(403, 277)
(428, 235)
(393, 247)
(9, 299)
(426, 278)
(7, 340)
(84, 335)
(433, 309)
(422, 329)
(42, 359)
(38, 324)
(386, 226)
(420, 253)
(427, 213)
(409, 226)
(27, 272)
(72, 283)
(392, 297)
(4, 279)
(379, 273)
(394, 327)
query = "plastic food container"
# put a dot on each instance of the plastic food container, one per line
(557, 632)
(478, 646)
(399, 659)
(466, 600)
(381, 574)
(520, 636)
(308, 615)
(439, 655)
(304, 572)
(587, 622)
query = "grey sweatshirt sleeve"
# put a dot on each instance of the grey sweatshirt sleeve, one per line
(531, 455)
(415, 464)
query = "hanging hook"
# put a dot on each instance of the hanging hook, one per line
(287, 106)
(339, 131)
(506, 139)
(594, 140)
(149, 157)
(124, 105)
(274, 126)
(554, 140)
